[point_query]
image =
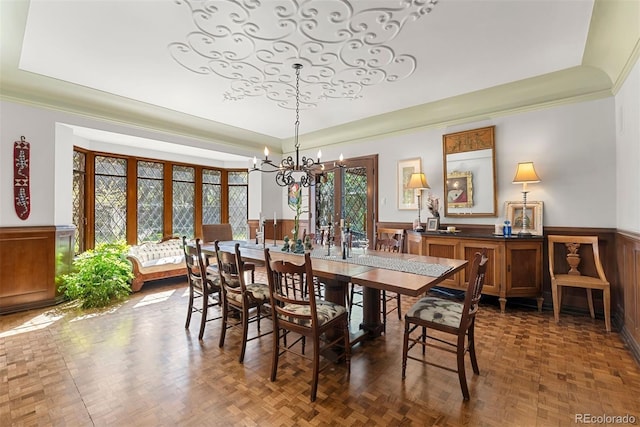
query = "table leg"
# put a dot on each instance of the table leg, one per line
(371, 326)
(371, 322)
(335, 291)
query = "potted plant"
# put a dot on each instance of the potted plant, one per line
(99, 276)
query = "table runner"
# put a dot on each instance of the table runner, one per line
(369, 260)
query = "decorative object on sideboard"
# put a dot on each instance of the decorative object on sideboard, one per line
(21, 184)
(433, 224)
(418, 182)
(516, 211)
(433, 204)
(525, 174)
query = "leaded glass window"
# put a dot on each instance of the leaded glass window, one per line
(211, 197)
(325, 199)
(110, 199)
(355, 199)
(150, 201)
(238, 203)
(79, 175)
(348, 193)
(183, 200)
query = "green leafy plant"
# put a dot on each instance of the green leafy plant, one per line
(100, 276)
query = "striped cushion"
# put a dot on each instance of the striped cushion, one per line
(437, 310)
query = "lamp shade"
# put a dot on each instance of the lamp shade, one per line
(526, 174)
(418, 180)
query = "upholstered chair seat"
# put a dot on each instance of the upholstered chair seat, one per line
(326, 312)
(437, 310)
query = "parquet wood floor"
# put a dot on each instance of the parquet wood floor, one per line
(136, 365)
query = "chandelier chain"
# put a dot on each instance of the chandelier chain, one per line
(297, 142)
(293, 170)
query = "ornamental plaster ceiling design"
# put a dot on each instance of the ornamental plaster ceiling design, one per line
(221, 71)
(343, 47)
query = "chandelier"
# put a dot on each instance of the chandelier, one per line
(291, 171)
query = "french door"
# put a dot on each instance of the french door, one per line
(348, 193)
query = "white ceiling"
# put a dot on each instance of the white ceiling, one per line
(226, 65)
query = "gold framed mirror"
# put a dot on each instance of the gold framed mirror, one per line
(469, 164)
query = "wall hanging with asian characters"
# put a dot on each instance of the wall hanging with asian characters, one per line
(21, 196)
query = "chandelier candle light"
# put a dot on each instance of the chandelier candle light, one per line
(525, 174)
(418, 182)
(292, 171)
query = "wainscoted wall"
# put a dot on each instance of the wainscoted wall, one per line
(31, 258)
(628, 263)
(283, 228)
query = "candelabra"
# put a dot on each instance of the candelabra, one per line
(275, 227)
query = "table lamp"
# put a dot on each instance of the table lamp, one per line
(525, 174)
(418, 182)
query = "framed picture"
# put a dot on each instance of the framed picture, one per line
(533, 215)
(407, 196)
(433, 224)
(460, 189)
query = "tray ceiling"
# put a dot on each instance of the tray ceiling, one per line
(227, 65)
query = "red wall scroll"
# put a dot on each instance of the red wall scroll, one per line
(21, 196)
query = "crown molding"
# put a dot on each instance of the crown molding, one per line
(97, 105)
(612, 50)
(577, 84)
(628, 66)
(614, 38)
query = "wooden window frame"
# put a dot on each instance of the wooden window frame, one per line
(132, 194)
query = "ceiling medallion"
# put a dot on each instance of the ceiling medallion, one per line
(343, 46)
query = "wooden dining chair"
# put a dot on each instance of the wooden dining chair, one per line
(324, 323)
(564, 272)
(203, 288)
(387, 240)
(451, 317)
(248, 300)
(224, 233)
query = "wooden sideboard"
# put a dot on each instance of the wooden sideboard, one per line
(515, 264)
(31, 261)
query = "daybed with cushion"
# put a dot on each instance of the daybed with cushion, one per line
(152, 261)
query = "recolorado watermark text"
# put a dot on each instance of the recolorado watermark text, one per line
(605, 419)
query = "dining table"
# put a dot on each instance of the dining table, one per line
(406, 274)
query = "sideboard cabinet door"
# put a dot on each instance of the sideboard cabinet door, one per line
(446, 248)
(493, 280)
(523, 269)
